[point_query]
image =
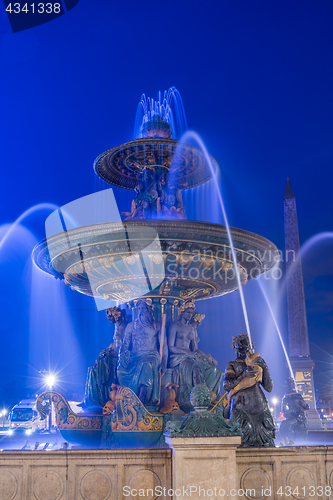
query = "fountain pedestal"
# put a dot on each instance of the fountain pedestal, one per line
(204, 450)
(204, 464)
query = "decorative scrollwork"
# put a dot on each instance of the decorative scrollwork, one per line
(130, 415)
(122, 166)
(66, 418)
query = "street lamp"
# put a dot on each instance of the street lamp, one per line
(49, 380)
(275, 401)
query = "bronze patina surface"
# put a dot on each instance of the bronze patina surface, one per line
(123, 166)
(102, 260)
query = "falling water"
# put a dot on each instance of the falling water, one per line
(43, 298)
(317, 238)
(186, 138)
(149, 109)
(305, 248)
(277, 329)
(311, 242)
(24, 215)
(53, 340)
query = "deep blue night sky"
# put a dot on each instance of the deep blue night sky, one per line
(256, 78)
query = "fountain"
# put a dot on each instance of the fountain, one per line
(156, 266)
(155, 253)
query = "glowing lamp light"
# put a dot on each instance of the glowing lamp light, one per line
(50, 380)
(28, 432)
(10, 432)
(281, 415)
(275, 401)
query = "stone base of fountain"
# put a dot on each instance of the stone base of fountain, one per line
(265, 473)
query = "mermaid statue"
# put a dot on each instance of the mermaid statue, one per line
(243, 379)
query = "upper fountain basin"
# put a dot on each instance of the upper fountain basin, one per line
(123, 166)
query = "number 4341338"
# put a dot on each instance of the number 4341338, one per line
(38, 8)
(305, 492)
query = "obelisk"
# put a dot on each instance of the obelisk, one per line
(299, 351)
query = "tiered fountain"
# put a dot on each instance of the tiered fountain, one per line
(155, 253)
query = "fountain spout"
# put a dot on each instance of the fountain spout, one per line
(156, 127)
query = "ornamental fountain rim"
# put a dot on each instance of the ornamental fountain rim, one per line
(104, 245)
(123, 165)
(164, 223)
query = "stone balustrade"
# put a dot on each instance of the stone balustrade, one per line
(261, 473)
(81, 474)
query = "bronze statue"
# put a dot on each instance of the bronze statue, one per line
(171, 200)
(247, 403)
(108, 408)
(103, 373)
(146, 204)
(294, 408)
(156, 197)
(170, 403)
(142, 358)
(196, 321)
(190, 365)
(118, 317)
